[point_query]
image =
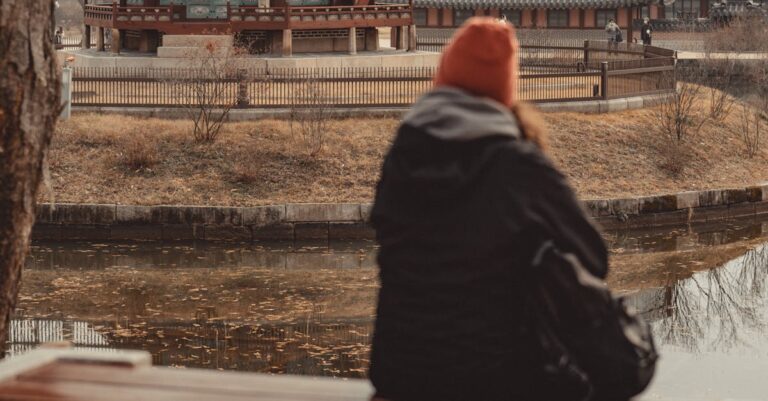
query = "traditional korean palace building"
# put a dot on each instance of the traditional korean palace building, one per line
(563, 14)
(265, 26)
(295, 26)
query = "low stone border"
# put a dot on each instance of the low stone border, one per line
(321, 221)
(277, 222)
(588, 106)
(605, 106)
(680, 208)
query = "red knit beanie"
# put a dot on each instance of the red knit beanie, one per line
(482, 60)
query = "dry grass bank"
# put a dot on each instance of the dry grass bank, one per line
(99, 159)
(115, 159)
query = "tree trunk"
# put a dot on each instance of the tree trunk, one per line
(29, 106)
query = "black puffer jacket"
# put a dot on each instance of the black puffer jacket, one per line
(462, 205)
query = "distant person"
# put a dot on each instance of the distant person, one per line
(646, 31)
(614, 34)
(468, 211)
(58, 38)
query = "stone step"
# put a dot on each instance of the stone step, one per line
(188, 52)
(197, 40)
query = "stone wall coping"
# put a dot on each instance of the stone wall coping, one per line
(258, 216)
(661, 203)
(81, 213)
(588, 106)
(293, 221)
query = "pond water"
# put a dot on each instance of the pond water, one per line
(308, 308)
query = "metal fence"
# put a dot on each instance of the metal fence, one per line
(75, 42)
(71, 42)
(590, 71)
(252, 88)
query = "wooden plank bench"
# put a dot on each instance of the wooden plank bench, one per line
(70, 374)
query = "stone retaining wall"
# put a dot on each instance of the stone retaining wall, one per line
(277, 222)
(293, 222)
(586, 106)
(680, 208)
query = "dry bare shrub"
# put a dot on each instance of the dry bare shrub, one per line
(206, 88)
(754, 110)
(757, 76)
(751, 129)
(675, 156)
(719, 76)
(678, 119)
(739, 35)
(309, 118)
(720, 104)
(138, 152)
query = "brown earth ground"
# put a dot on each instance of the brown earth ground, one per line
(126, 160)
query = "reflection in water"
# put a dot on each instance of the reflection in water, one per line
(150, 255)
(308, 308)
(305, 309)
(26, 334)
(307, 348)
(685, 237)
(717, 309)
(712, 332)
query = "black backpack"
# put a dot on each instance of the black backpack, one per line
(598, 349)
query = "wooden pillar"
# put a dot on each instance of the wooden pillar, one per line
(412, 38)
(352, 42)
(87, 37)
(287, 42)
(447, 17)
(401, 39)
(433, 18)
(371, 39)
(653, 11)
(100, 39)
(116, 41)
(148, 41)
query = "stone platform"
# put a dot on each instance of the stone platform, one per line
(381, 58)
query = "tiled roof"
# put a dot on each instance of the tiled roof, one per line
(521, 4)
(736, 8)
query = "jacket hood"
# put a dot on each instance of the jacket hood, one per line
(446, 143)
(452, 114)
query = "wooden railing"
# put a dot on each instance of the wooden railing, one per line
(128, 13)
(359, 87)
(143, 13)
(375, 11)
(271, 14)
(94, 12)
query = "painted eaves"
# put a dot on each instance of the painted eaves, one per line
(523, 4)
